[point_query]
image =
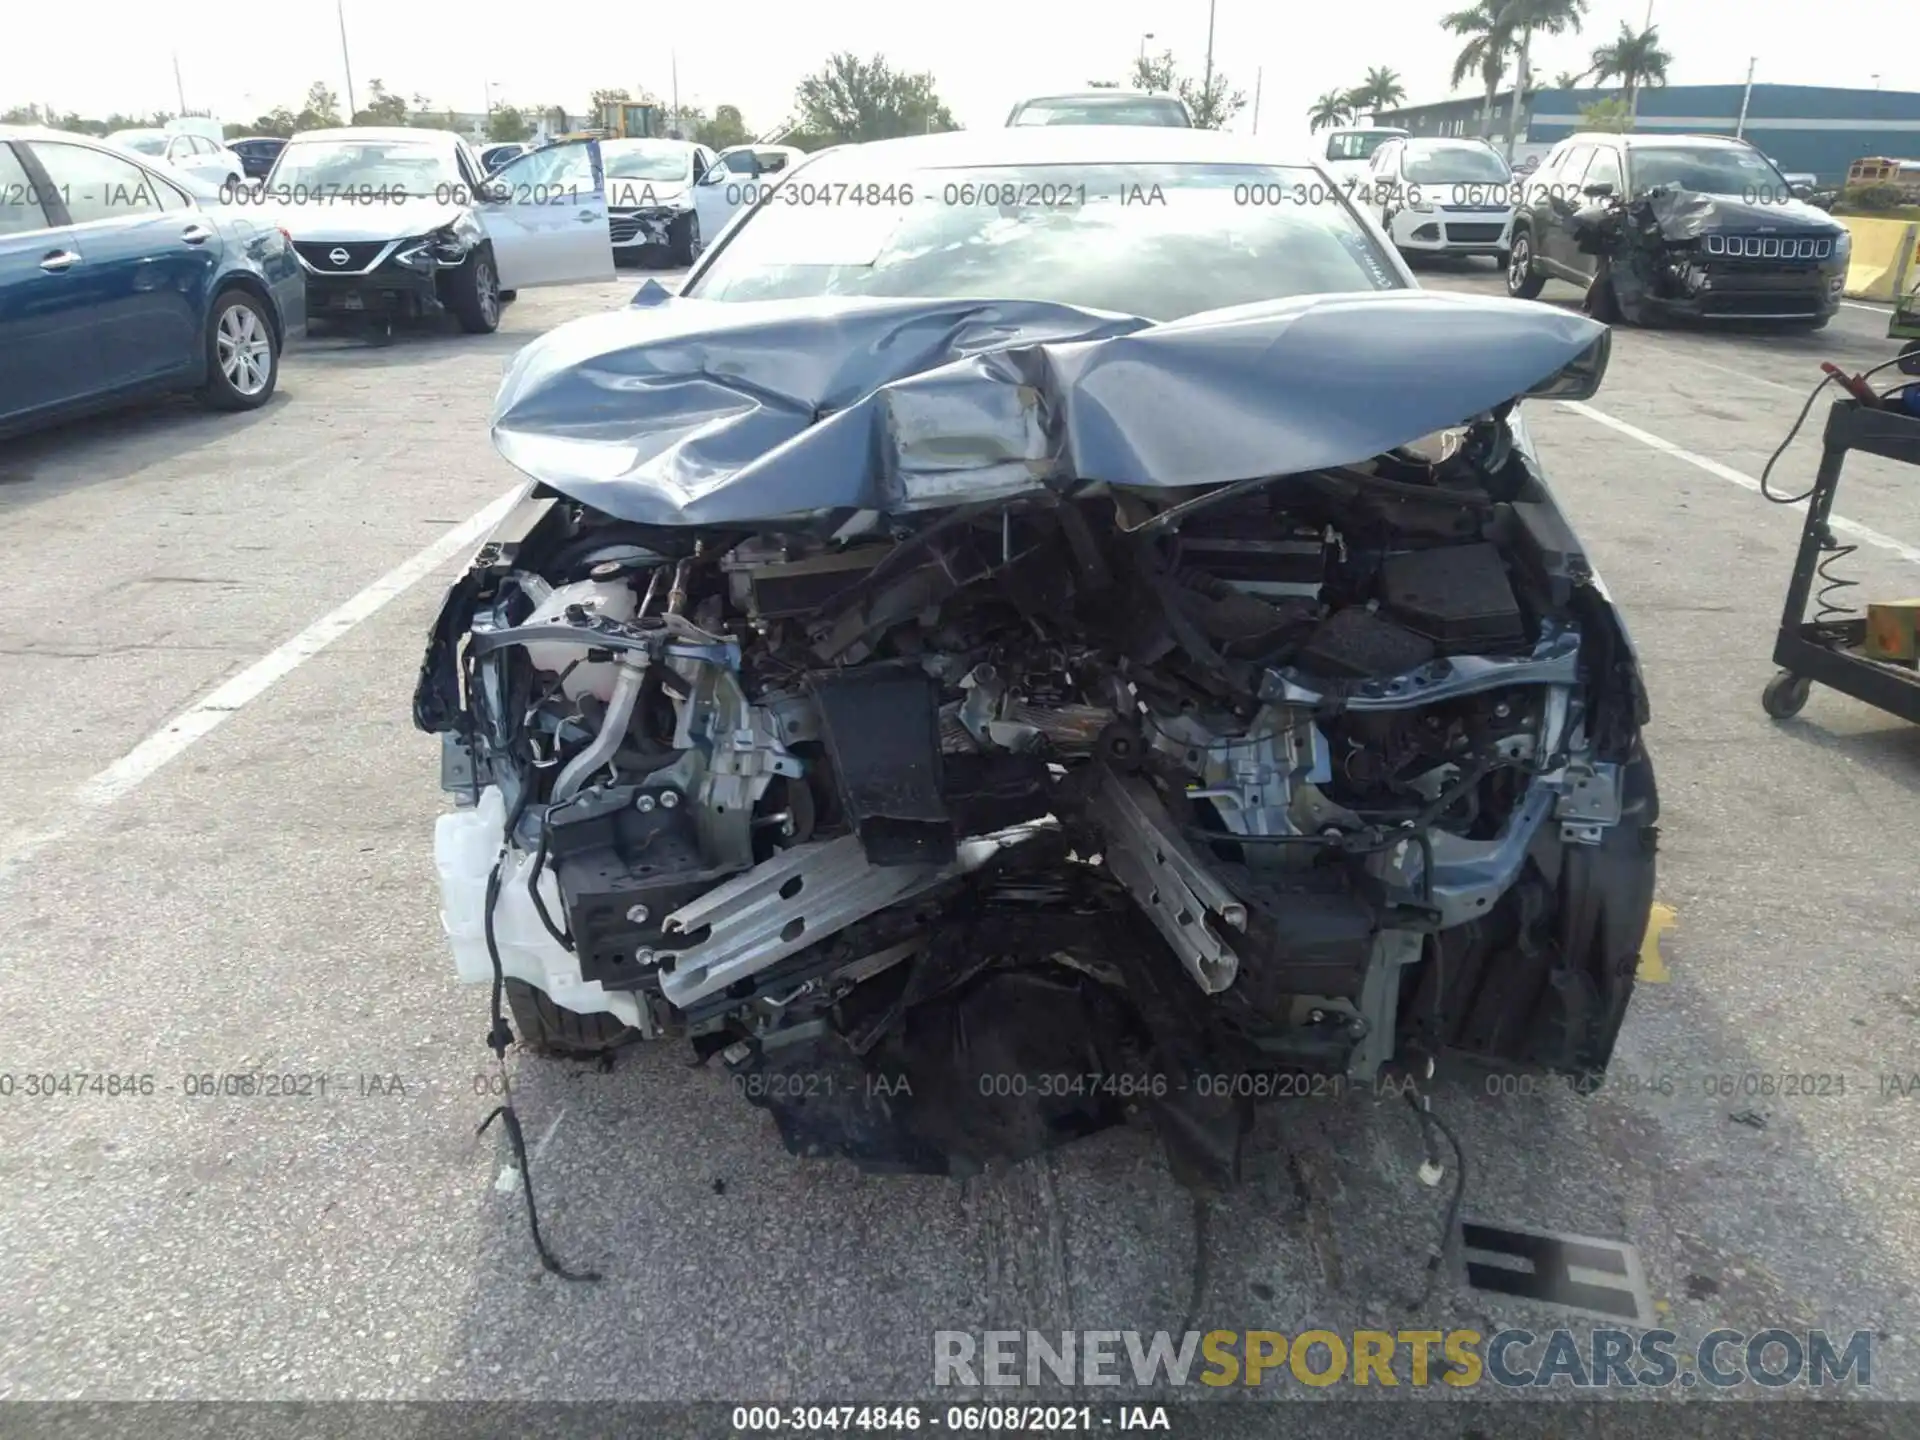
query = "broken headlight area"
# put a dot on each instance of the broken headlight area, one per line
(446, 248)
(961, 835)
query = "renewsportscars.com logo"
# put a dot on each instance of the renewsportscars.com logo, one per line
(1598, 1358)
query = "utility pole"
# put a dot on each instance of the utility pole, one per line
(340, 9)
(1206, 87)
(1740, 125)
(674, 60)
(178, 89)
(1256, 98)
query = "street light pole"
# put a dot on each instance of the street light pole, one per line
(1257, 74)
(1206, 86)
(1740, 125)
(340, 9)
(179, 89)
(1143, 44)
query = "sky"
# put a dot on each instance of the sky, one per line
(984, 54)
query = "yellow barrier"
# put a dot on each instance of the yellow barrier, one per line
(1884, 257)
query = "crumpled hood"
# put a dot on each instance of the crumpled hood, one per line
(1689, 214)
(349, 220)
(700, 412)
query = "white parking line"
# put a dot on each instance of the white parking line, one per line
(1839, 523)
(205, 716)
(1875, 309)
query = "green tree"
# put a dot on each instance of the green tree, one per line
(508, 124)
(727, 127)
(1526, 18)
(1211, 105)
(1610, 115)
(1489, 41)
(1570, 79)
(1329, 111)
(1154, 73)
(850, 100)
(1381, 90)
(383, 107)
(278, 121)
(1637, 59)
(322, 110)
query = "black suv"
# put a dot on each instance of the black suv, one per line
(1663, 226)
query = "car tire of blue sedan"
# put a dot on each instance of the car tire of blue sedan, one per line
(243, 353)
(473, 293)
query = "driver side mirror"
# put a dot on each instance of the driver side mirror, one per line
(1802, 191)
(1597, 192)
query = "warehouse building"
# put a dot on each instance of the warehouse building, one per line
(1804, 128)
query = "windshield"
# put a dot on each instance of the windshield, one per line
(392, 167)
(1436, 165)
(1100, 110)
(143, 142)
(1357, 144)
(1710, 171)
(646, 162)
(1159, 241)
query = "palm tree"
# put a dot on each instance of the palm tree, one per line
(1524, 18)
(1332, 108)
(1637, 59)
(1382, 90)
(1570, 79)
(1485, 53)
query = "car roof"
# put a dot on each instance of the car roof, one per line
(1065, 144)
(1636, 142)
(1366, 130)
(1107, 94)
(389, 133)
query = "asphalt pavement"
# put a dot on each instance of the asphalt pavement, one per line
(254, 893)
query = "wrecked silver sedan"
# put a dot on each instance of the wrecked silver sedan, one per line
(977, 665)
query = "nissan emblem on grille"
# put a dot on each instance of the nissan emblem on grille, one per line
(338, 256)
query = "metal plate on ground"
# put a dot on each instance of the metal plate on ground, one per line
(1577, 1273)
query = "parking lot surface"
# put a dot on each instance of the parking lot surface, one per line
(255, 892)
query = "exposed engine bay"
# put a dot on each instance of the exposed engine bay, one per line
(961, 834)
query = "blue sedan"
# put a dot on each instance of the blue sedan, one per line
(119, 282)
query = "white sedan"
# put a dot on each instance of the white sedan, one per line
(650, 196)
(1442, 197)
(738, 177)
(194, 155)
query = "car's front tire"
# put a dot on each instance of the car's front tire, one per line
(550, 1029)
(473, 293)
(683, 243)
(1523, 281)
(243, 352)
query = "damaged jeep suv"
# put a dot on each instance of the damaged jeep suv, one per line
(981, 668)
(1677, 226)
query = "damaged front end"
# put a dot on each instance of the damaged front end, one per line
(1674, 253)
(928, 711)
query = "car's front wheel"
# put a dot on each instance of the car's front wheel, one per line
(243, 353)
(473, 293)
(684, 242)
(1523, 281)
(550, 1029)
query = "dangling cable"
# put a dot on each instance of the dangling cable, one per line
(1437, 1252)
(499, 1037)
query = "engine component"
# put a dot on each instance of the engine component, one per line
(1174, 886)
(625, 858)
(1359, 643)
(882, 727)
(1458, 596)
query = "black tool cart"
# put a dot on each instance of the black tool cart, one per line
(1829, 648)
